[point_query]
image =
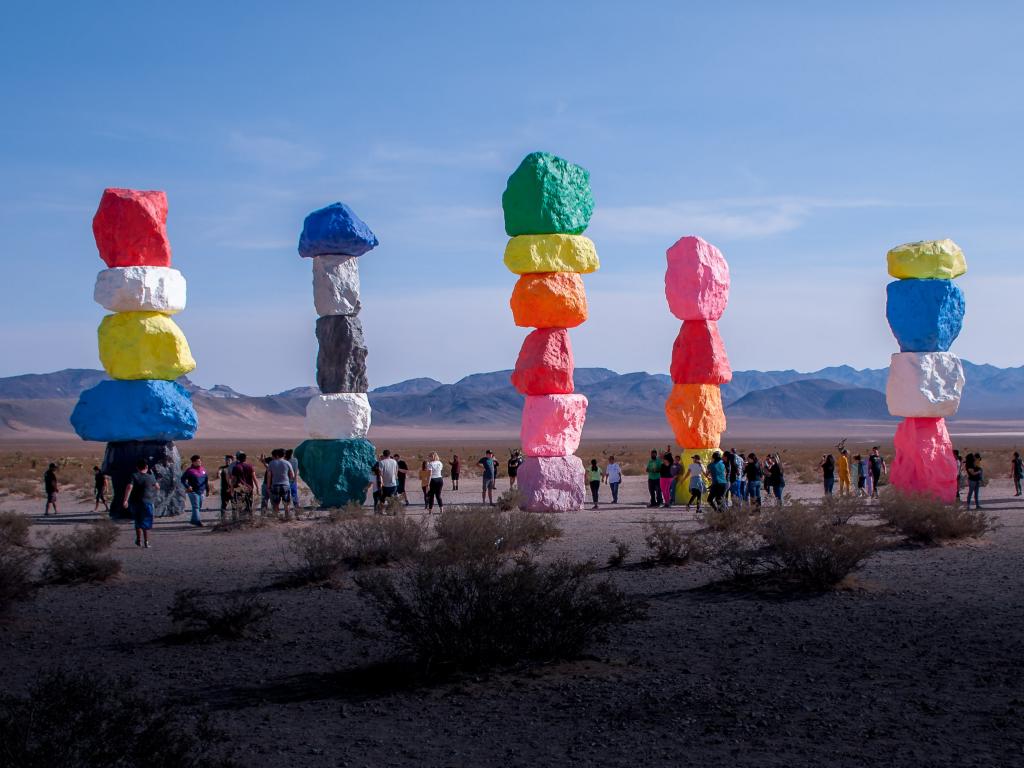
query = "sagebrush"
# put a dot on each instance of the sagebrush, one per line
(201, 616)
(668, 543)
(17, 559)
(927, 520)
(470, 533)
(81, 556)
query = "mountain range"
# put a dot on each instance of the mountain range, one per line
(38, 405)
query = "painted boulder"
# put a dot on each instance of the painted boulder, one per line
(924, 384)
(551, 484)
(547, 195)
(698, 355)
(335, 230)
(924, 315)
(545, 363)
(114, 411)
(337, 471)
(938, 259)
(531, 254)
(695, 413)
(340, 416)
(552, 300)
(341, 359)
(552, 424)
(143, 345)
(130, 228)
(336, 285)
(696, 280)
(163, 460)
(924, 462)
(140, 289)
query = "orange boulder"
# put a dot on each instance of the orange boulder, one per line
(549, 300)
(695, 413)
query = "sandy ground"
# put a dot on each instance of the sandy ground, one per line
(919, 663)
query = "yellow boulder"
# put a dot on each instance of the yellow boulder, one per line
(530, 254)
(143, 345)
(927, 259)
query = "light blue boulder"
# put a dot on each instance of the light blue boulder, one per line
(337, 471)
(118, 411)
(335, 231)
(924, 315)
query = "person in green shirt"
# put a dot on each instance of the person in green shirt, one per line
(654, 480)
(594, 476)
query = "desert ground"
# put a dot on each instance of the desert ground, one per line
(916, 660)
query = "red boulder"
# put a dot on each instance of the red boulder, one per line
(698, 355)
(130, 228)
(545, 363)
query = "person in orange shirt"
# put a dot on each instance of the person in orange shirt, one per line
(843, 470)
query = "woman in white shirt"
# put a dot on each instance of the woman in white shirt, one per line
(436, 469)
(695, 473)
(613, 476)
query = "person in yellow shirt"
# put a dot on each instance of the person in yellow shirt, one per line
(843, 470)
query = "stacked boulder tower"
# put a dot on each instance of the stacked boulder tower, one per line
(336, 461)
(697, 290)
(142, 409)
(925, 310)
(547, 206)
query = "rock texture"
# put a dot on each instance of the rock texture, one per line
(939, 259)
(336, 471)
(135, 410)
(335, 230)
(552, 300)
(698, 355)
(530, 254)
(143, 345)
(924, 462)
(547, 195)
(696, 280)
(130, 227)
(164, 462)
(552, 424)
(695, 413)
(924, 315)
(341, 360)
(140, 289)
(924, 384)
(545, 364)
(336, 285)
(338, 417)
(551, 484)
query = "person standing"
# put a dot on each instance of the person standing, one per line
(139, 496)
(843, 471)
(100, 488)
(436, 469)
(51, 488)
(1017, 472)
(876, 466)
(754, 474)
(424, 482)
(456, 467)
(224, 475)
(654, 480)
(196, 486)
(514, 462)
(403, 471)
(665, 478)
(594, 477)
(289, 456)
(719, 474)
(279, 478)
(828, 472)
(490, 476)
(975, 475)
(243, 480)
(695, 476)
(388, 468)
(613, 476)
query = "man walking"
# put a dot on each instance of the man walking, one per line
(280, 477)
(197, 485)
(51, 488)
(100, 488)
(224, 475)
(403, 471)
(139, 495)
(876, 466)
(654, 480)
(613, 476)
(490, 477)
(388, 468)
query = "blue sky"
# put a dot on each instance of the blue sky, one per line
(804, 139)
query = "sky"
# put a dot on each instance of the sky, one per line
(804, 139)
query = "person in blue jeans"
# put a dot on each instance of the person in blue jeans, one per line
(197, 485)
(139, 495)
(754, 474)
(294, 485)
(828, 472)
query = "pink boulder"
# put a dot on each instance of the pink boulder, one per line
(924, 462)
(545, 363)
(697, 280)
(552, 424)
(130, 228)
(698, 355)
(551, 484)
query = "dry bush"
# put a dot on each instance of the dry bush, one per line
(79, 556)
(509, 500)
(471, 533)
(16, 559)
(925, 519)
(198, 617)
(87, 721)
(730, 518)
(393, 506)
(841, 509)
(350, 511)
(483, 613)
(668, 543)
(619, 554)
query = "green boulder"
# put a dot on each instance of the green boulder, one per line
(547, 195)
(337, 471)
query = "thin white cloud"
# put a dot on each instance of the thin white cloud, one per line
(408, 154)
(273, 152)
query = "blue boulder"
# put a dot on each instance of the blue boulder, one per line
(924, 315)
(117, 411)
(337, 471)
(335, 231)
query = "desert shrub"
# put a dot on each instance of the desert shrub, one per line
(468, 533)
(88, 721)
(80, 556)
(16, 559)
(482, 613)
(619, 554)
(394, 506)
(14, 529)
(350, 511)
(729, 518)
(668, 543)
(509, 500)
(925, 519)
(198, 616)
(841, 509)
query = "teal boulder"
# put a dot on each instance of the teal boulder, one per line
(337, 471)
(547, 195)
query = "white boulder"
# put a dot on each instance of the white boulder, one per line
(140, 289)
(924, 384)
(336, 285)
(338, 417)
